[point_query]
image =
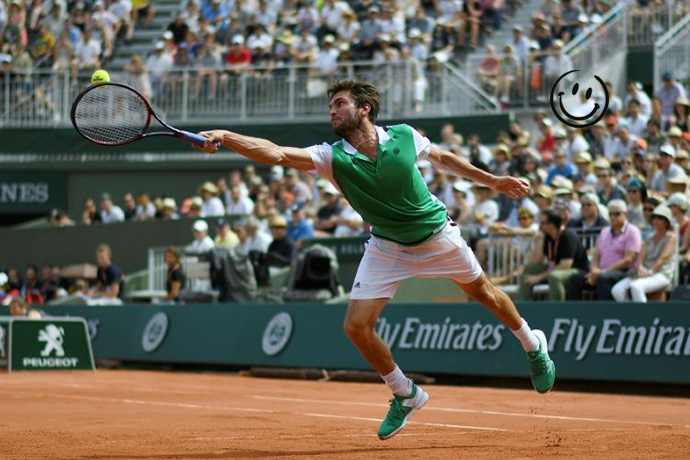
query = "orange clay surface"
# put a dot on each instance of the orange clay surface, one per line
(117, 414)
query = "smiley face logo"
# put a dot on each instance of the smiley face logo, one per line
(588, 94)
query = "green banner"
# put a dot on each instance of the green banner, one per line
(592, 341)
(49, 344)
(32, 193)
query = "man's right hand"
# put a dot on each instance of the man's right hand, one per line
(215, 136)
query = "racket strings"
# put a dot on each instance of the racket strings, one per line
(111, 115)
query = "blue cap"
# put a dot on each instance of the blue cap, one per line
(667, 76)
(296, 207)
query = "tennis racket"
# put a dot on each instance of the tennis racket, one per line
(115, 114)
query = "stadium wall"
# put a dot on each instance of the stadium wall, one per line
(590, 341)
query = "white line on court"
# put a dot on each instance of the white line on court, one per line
(444, 425)
(239, 409)
(472, 411)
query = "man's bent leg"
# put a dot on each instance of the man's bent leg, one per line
(542, 369)
(525, 290)
(606, 281)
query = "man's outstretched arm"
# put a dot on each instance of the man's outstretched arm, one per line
(511, 186)
(257, 149)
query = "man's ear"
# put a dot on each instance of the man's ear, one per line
(366, 108)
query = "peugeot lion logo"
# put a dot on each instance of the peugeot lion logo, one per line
(53, 337)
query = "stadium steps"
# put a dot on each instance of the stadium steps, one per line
(145, 37)
(522, 17)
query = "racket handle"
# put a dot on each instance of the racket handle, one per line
(195, 138)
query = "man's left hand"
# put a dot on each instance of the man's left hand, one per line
(511, 186)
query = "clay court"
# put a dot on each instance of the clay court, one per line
(115, 414)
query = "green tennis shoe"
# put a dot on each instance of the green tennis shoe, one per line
(541, 369)
(401, 409)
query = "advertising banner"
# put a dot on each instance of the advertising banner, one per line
(591, 341)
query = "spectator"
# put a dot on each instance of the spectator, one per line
(130, 206)
(501, 161)
(485, 212)
(509, 75)
(547, 141)
(257, 238)
(668, 94)
(110, 281)
(637, 194)
(176, 277)
(326, 60)
(159, 65)
(225, 237)
(59, 218)
(297, 187)
(667, 169)
(680, 114)
(584, 175)
(109, 212)
(617, 249)
(90, 215)
(678, 204)
(561, 167)
(145, 209)
(169, 211)
(202, 242)
(18, 307)
(328, 215)
(608, 189)
(299, 228)
(556, 63)
(655, 266)
(557, 256)
(591, 216)
(543, 197)
(31, 287)
(211, 205)
(87, 53)
(635, 121)
(636, 92)
(138, 76)
(281, 249)
(239, 205)
(140, 8)
(675, 136)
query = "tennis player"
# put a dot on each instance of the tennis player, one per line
(412, 235)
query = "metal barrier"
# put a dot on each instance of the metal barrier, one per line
(672, 52)
(43, 98)
(647, 24)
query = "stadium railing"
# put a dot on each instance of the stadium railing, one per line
(42, 98)
(672, 52)
(647, 24)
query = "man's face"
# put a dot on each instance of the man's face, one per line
(604, 176)
(544, 224)
(129, 202)
(665, 160)
(634, 109)
(346, 117)
(199, 235)
(561, 159)
(616, 216)
(589, 209)
(106, 205)
(102, 259)
(278, 232)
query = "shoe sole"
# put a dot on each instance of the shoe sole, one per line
(553, 365)
(412, 412)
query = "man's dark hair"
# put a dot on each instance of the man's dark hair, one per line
(654, 201)
(361, 91)
(553, 217)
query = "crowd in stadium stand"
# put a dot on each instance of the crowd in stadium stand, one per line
(62, 35)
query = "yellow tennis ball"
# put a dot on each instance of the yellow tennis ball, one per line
(100, 76)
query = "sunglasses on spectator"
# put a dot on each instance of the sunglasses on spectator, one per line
(615, 213)
(602, 176)
(525, 217)
(648, 209)
(633, 190)
(587, 203)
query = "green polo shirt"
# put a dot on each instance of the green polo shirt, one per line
(389, 193)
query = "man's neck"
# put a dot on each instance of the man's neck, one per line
(365, 139)
(616, 229)
(590, 220)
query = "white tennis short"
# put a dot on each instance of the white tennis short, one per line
(385, 264)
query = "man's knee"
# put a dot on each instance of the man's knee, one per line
(356, 327)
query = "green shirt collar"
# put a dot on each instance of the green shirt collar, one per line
(383, 138)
